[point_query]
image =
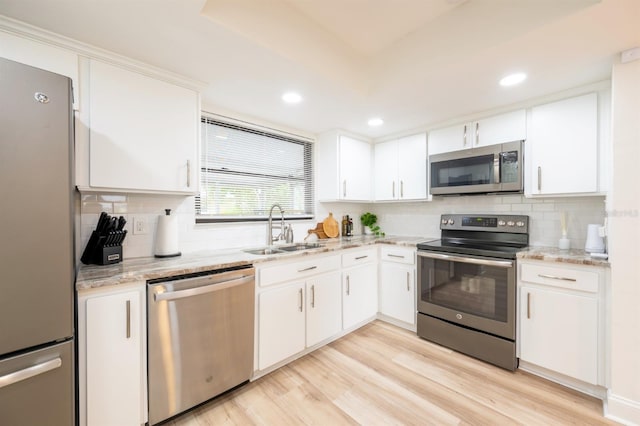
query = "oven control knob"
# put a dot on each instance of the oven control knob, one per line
(520, 224)
(444, 221)
(511, 223)
(450, 222)
(501, 223)
(459, 316)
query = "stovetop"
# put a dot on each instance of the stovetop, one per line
(498, 236)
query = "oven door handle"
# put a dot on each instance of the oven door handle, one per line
(475, 261)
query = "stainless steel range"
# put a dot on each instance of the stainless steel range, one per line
(467, 285)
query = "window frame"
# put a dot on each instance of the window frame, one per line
(309, 175)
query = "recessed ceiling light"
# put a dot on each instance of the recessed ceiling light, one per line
(513, 79)
(292, 98)
(376, 121)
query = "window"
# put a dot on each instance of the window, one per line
(244, 171)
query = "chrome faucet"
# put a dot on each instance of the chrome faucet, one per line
(281, 236)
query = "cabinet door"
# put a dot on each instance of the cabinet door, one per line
(386, 185)
(412, 167)
(359, 294)
(449, 139)
(281, 324)
(397, 292)
(564, 146)
(559, 331)
(114, 339)
(354, 169)
(324, 307)
(502, 128)
(144, 132)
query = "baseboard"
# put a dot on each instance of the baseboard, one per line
(599, 392)
(622, 410)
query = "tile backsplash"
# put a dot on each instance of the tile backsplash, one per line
(412, 218)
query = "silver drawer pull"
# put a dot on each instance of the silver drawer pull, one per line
(528, 305)
(128, 319)
(396, 256)
(551, 277)
(29, 372)
(362, 257)
(300, 301)
(348, 286)
(310, 268)
(408, 281)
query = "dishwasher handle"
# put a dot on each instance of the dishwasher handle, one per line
(195, 291)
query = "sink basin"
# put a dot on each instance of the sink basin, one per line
(299, 246)
(282, 249)
(264, 251)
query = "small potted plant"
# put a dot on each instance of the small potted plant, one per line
(369, 221)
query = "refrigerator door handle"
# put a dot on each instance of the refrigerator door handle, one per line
(29, 372)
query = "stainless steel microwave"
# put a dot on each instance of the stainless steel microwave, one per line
(488, 169)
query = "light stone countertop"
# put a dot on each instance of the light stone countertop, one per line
(554, 254)
(148, 268)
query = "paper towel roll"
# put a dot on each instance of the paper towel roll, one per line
(167, 236)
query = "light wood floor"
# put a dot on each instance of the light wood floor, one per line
(381, 374)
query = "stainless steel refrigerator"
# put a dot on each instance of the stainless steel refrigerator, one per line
(37, 262)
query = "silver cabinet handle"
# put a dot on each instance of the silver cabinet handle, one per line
(344, 188)
(310, 268)
(408, 281)
(173, 295)
(313, 296)
(300, 304)
(396, 255)
(348, 286)
(362, 257)
(496, 168)
(401, 189)
(128, 319)
(464, 136)
(539, 178)
(552, 277)
(188, 173)
(393, 189)
(473, 260)
(27, 373)
(477, 133)
(528, 305)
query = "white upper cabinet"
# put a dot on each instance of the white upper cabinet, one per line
(563, 147)
(400, 169)
(508, 127)
(143, 132)
(344, 168)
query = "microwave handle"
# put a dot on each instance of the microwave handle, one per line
(496, 168)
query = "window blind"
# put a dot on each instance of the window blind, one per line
(244, 171)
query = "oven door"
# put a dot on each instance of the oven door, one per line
(471, 291)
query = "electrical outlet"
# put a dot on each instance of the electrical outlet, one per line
(140, 226)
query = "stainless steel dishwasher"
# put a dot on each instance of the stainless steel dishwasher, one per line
(200, 338)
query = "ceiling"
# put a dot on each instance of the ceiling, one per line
(414, 63)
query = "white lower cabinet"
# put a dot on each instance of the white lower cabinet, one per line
(562, 320)
(299, 312)
(359, 286)
(397, 284)
(324, 303)
(112, 356)
(282, 324)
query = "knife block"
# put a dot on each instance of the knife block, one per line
(98, 252)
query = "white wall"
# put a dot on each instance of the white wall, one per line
(624, 231)
(408, 219)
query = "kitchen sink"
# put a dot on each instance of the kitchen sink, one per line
(264, 251)
(299, 246)
(283, 249)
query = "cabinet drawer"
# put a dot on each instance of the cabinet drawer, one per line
(397, 254)
(357, 257)
(568, 278)
(292, 271)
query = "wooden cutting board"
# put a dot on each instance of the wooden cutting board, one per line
(330, 226)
